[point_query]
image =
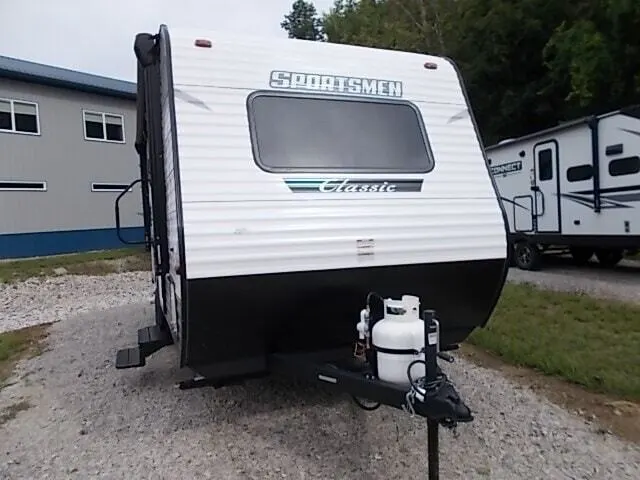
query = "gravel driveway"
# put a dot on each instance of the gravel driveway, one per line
(88, 420)
(50, 299)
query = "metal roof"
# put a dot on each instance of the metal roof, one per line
(38, 73)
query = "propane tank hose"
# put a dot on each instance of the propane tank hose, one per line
(373, 294)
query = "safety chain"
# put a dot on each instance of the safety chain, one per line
(410, 398)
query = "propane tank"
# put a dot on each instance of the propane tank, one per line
(396, 338)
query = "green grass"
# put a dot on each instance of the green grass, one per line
(92, 263)
(18, 344)
(590, 342)
(15, 346)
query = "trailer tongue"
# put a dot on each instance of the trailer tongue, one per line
(416, 342)
(432, 396)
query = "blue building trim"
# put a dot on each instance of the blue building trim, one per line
(38, 73)
(23, 245)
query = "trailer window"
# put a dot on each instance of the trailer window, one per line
(580, 173)
(295, 133)
(624, 166)
(545, 167)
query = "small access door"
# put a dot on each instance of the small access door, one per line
(546, 187)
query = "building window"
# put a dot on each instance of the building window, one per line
(624, 166)
(545, 166)
(109, 187)
(105, 127)
(17, 116)
(579, 173)
(323, 133)
(17, 186)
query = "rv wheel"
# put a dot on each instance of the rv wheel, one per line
(609, 257)
(581, 255)
(527, 256)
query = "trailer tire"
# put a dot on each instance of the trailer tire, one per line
(609, 257)
(581, 255)
(527, 256)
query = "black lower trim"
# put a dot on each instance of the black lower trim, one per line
(595, 241)
(240, 367)
(234, 323)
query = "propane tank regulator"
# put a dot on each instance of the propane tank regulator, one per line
(362, 345)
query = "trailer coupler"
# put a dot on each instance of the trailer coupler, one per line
(437, 400)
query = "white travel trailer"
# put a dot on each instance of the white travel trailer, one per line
(290, 183)
(574, 187)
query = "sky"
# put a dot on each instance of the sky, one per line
(97, 36)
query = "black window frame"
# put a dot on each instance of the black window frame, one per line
(430, 160)
(538, 161)
(577, 168)
(631, 157)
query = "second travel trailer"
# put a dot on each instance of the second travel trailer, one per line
(574, 187)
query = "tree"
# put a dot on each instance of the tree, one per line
(302, 22)
(498, 45)
(412, 25)
(594, 56)
(527, 65)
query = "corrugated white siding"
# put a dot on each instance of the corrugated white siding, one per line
(239, 219)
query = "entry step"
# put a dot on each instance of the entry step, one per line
(130, 358)
(152, 338)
